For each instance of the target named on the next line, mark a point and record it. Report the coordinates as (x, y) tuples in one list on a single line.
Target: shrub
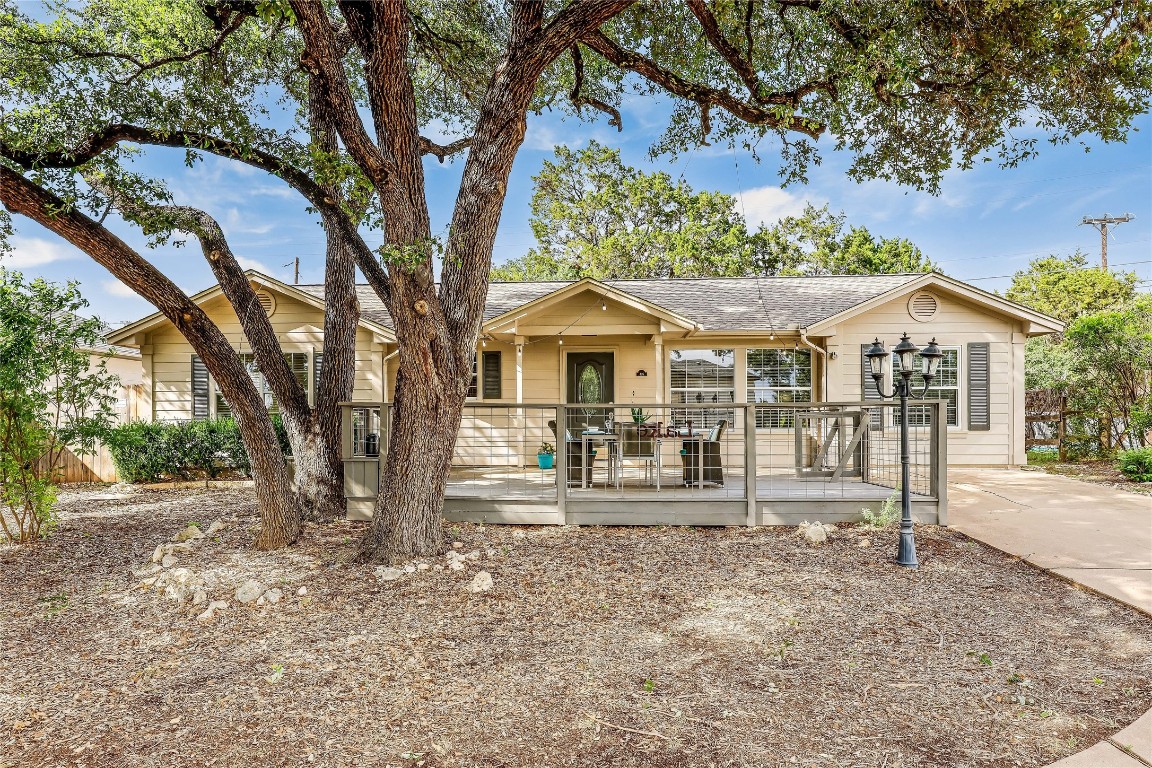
[(146, 452), (888, 515), (1137, 464)]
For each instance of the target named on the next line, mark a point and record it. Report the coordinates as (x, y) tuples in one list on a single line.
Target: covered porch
[(660, 464)]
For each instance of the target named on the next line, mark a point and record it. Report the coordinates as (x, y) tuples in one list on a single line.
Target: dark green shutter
[(979, 384), (868, 388), (199, 388), (492, 380)]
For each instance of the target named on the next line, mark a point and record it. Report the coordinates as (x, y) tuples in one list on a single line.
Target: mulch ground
[(1099, 472), (595, 647)]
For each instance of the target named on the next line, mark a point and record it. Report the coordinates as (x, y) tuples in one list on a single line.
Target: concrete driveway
[(1098, 536)]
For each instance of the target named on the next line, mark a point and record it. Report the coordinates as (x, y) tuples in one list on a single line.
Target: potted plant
[(638, 415), (546, 455)]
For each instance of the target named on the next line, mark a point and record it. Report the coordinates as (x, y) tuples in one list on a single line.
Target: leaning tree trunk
[(278, 503)]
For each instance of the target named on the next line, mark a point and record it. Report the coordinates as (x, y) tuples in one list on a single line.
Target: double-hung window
[(778, 376), (297, 361), (945, 386), (702, 383)]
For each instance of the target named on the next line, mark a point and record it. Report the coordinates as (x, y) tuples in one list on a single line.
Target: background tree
[(815, 243), (1101, 365), (1070, 288), (51, 398), (907, 88), (594, 216)]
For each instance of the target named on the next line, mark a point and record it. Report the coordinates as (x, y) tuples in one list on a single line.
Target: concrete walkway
[(1096, 536)]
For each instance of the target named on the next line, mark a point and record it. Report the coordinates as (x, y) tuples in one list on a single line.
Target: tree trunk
[(422, 436), (278, 503)]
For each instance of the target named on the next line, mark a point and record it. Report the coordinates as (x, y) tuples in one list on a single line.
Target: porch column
[(658, 343), (519, 369), (526, 452)]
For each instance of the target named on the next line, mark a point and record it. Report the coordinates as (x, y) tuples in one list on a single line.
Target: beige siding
[(955, 324), (168, 355)]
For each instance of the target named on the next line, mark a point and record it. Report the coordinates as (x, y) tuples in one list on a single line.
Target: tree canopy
[(595, 216), (338, 98), (1070, 288)]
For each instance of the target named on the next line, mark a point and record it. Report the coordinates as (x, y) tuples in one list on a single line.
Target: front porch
[(660, 464)]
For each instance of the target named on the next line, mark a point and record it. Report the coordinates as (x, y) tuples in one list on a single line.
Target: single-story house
[(704, 349)]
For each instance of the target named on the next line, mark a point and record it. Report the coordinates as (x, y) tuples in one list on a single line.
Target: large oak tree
[(909, 88)]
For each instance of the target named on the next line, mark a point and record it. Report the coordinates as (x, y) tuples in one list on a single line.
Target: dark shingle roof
[(716, 303)]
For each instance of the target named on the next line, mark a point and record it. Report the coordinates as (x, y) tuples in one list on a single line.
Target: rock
[(168, 561), (519, 535), (179, 583), (189, 533), (302, 591), (215, 528), (481, 582), (151, 569), (456, 565), (149, 582), (250, 591), (864, 543), (209, 579), (409, 568), (272, 596), (473, 555), (457, 545), (199, 596), (490, 552), (422, 566), (815, 533), (210, 612), (158, 555), (388, 574)]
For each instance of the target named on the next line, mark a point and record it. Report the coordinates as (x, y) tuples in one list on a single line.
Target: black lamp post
[(906, 352)]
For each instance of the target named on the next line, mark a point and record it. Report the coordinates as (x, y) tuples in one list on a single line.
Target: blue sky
[(985, 224)]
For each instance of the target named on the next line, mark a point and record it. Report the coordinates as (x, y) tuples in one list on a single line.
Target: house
[(688, 350)]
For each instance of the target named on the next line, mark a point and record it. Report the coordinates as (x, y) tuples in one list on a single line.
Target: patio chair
[(635, 446), (572, 455), (712, 461)]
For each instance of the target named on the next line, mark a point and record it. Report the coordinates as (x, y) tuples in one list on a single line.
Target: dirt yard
[(594, 647), (1100, 472)]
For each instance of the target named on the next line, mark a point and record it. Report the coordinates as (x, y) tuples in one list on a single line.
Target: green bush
[(148, 452), (1136, 465)]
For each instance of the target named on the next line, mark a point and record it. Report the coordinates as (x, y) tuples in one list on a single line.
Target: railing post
[(562, 465), (750, 462), (940, 461)]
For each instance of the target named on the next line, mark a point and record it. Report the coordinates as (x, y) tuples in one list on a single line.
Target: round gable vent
[(922, 307), (267, 302)]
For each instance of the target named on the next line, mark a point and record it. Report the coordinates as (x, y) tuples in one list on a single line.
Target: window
[(945, 386), (473, 389), (492, 375), (297, 361), (706, 379), (778, 376)]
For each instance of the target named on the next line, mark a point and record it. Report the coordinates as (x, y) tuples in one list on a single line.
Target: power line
[(1122, 264)]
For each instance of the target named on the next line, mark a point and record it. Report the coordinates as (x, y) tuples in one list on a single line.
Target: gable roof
[(123, 333), (707, 304)]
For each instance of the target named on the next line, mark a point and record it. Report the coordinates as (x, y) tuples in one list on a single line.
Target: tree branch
[(578, 100), (701, 94), (441, 151), (111, 135), (322, 60)]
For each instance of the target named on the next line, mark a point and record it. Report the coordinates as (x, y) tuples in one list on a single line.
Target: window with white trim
[(945, 386), (473, 386), (778, 376), (297, 361), (705, 378)]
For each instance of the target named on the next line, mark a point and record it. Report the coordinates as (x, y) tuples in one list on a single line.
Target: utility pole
[(1101, 223), (296, 261)]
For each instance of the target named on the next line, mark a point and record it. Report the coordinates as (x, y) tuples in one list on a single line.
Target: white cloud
[(117, 288), (35, 252), (767, 205), (247, 263)]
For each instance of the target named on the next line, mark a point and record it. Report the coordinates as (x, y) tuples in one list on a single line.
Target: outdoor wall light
[(641, 372), (905, 352)]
